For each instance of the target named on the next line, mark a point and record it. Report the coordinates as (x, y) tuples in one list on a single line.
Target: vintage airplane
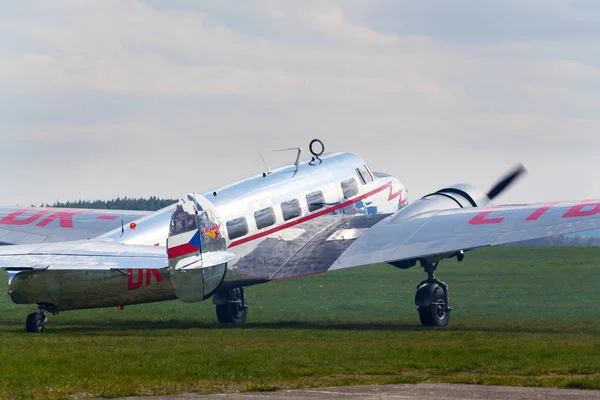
[(326, 214)]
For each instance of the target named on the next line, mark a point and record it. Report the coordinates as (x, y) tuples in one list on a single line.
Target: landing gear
[(432, 298), (232, 308), (36, 320)]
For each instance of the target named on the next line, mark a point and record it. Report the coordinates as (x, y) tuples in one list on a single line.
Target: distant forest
[(152, 203), (562, 241)]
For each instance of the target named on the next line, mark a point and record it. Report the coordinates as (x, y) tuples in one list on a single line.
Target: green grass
[(523, 316)]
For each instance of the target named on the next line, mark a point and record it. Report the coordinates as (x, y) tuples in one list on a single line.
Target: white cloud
[(333, 22), (429, 109)]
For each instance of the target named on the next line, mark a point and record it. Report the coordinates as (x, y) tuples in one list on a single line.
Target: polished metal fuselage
[(67, 290)]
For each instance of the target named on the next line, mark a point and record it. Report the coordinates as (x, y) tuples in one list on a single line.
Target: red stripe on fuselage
[(318, 214)]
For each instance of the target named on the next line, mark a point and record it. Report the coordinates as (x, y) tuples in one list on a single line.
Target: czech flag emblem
[(184, 244)]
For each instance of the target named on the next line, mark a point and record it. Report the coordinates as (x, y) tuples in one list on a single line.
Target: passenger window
[(315, 201), (364, 175), (350, 188), (264, 218), (237, 228), (290, 209)]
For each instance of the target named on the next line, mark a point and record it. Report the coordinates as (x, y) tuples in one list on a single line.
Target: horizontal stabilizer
[(81, 255), (205, 261)]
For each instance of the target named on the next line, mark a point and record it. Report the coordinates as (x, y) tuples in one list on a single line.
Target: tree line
[(563, 241), (151, 203)]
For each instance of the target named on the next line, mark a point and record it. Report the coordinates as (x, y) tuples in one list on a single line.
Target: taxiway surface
[(400, 392)]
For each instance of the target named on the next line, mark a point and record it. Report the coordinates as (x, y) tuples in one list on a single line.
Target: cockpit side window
[(237, 228), (364, 175), (370, 172)]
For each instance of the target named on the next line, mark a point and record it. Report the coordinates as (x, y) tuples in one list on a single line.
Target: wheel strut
[(231, 306), (432, 300), (430, 268), (36, 321)]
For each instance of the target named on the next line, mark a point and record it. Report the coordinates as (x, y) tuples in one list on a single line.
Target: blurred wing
[(46, 225)]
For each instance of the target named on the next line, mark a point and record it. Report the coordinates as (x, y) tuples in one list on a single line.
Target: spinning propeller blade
[(506, 181)]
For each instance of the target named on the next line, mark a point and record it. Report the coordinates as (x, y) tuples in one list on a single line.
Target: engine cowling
[(453, 197), (464, 195), (457, 196)]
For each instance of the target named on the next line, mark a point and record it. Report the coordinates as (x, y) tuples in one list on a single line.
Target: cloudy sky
[(119, 97)]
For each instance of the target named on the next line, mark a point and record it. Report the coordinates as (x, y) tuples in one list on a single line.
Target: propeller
[(506, 181)]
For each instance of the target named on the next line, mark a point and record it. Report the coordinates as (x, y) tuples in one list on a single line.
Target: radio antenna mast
[(269, 172), (299, 150)]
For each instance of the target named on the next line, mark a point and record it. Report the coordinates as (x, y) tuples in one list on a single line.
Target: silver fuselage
[(310, 191)]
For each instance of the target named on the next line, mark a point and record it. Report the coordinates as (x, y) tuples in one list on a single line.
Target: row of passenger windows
[(291, 209)]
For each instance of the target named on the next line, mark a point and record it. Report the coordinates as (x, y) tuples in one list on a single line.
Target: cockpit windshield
[(182, 221), (190, 216)]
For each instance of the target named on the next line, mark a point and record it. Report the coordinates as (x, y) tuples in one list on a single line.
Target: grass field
[(523, 316)]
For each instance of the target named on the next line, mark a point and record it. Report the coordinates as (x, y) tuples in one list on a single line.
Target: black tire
[(35, 322), (435, 314), (230, 314), (235, 311)]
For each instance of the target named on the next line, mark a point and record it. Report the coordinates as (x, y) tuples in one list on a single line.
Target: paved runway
[(401, 392)]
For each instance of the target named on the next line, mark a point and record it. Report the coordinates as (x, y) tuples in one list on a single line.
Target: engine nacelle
[(457, 196), (464, 195)]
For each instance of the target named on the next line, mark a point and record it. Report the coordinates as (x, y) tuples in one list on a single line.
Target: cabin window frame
[(268, 211), (310, 203), (284, 209), (232, 233)]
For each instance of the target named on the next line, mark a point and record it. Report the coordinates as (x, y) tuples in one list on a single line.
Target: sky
[(100, 99)]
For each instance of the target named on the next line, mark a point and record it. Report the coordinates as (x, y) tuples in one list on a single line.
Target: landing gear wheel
[(233, 312), (436, 313), (432, 299), (35, 322)]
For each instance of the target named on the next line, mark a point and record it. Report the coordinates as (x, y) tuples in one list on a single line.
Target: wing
[(45, 225), (97, 255), (333, 242), (80, 255), (400, 237)]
